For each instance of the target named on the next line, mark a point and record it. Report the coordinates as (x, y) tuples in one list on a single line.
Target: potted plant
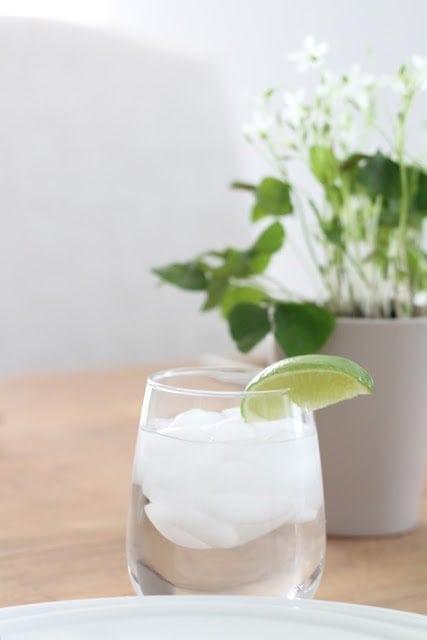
[(360, 199)]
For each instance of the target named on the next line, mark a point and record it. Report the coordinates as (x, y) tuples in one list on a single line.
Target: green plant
[(361, 206)]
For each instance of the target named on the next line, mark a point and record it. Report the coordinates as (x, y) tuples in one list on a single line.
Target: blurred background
[(120, 133)]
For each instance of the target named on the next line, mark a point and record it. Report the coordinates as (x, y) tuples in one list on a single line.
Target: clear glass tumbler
[(219, 505)]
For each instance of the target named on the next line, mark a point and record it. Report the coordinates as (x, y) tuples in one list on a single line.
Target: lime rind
[(310, 381)]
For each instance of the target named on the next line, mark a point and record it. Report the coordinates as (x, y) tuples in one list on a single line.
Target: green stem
[(313, 273), (307, 239), (402, 265)]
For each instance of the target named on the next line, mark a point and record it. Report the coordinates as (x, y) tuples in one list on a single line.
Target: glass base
[(149, 583)]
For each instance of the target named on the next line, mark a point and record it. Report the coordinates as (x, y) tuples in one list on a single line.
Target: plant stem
[(307, 238), (402, 259)]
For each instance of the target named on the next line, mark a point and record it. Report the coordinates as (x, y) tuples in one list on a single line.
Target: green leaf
[(302, 328), (237, 263), (379, 176), (352, 162), (216, 288), (270, 240), (186, 275), (418, 180), (236, 295), (258, 212), (334, 196), (323, 164), (273, 196), (390, 213), (248, 324), (260, 262), (332, 230)]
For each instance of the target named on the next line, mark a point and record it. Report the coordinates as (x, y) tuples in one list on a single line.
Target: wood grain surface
[(66, 452)]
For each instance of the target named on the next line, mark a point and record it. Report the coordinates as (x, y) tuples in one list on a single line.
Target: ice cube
[(187, 526), (229, 491), (232, 413), (193, 424), (164, 522)]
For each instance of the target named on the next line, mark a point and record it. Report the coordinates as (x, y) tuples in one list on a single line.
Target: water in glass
[(222, 506)]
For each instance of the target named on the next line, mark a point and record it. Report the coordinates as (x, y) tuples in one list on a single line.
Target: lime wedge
[(311, 381)]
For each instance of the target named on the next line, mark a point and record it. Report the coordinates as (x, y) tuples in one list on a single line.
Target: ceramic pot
[(373, 447)]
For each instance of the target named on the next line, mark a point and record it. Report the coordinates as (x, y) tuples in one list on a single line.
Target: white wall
[(96, 12), (252, 37), (250, 40), (115, 158)]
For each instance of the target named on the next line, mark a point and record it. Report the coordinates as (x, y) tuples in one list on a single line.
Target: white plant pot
[(373, 447)]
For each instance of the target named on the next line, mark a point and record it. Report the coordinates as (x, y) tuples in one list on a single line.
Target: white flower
[(419, 65), (311, 56), (396, 83), (260, 126), (357, 87), (327, 85), (410, 78), (294, 109)]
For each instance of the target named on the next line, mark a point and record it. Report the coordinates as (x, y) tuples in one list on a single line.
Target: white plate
[(207, 618)]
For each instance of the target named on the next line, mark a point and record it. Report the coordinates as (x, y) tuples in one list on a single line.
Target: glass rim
[(154, 382)]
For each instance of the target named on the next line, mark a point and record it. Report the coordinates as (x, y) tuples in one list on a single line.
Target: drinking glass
[(219, 505)]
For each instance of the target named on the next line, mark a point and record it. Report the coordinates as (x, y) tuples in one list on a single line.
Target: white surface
[(193, 618), (115, 157)]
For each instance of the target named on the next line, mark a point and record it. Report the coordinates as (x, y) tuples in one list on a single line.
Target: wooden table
[(66, 449)]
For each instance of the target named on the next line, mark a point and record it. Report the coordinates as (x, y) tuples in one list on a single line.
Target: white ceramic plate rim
[(337, 614)]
